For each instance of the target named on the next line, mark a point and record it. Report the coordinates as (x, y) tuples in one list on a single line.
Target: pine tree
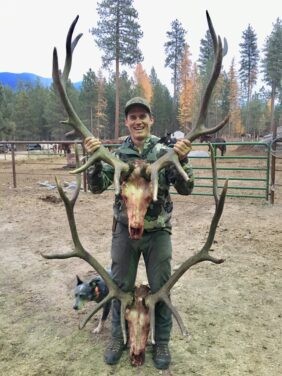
[(272, 66), (126, 90), (174, 49), (88, 98), (206, 56), (162, 106), (117, 34), (259, 113), (235, 125), (54, 111), (26, 129), (38, 96), (7, 126), (248, 71)]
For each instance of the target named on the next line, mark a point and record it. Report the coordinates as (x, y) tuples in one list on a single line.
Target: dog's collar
[(97, 291)]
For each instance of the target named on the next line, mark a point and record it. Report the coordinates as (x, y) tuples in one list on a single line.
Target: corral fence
[(246, 165), (247, 168)]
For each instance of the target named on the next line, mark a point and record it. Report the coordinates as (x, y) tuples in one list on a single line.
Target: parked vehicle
[(30, 147)]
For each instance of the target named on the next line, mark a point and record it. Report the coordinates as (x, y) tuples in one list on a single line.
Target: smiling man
[(153, 240)]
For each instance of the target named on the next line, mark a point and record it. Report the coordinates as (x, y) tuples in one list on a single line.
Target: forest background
[(33, 112)]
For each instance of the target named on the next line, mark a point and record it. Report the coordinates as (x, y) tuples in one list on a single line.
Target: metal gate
[(247, 170)]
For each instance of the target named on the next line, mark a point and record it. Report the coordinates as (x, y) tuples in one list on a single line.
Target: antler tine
[(60, 83), (212, 31), (80, 252), (167, 159), (125, 300), (70, 46), (103, 154)]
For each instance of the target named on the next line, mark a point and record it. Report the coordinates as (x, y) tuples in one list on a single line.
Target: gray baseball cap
[(137, 101)]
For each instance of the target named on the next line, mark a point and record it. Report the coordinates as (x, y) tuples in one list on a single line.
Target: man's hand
[(182, 148), (91, 144)]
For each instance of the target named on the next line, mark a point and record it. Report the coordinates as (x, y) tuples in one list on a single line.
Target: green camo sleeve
[(183, 187), (100, 177)]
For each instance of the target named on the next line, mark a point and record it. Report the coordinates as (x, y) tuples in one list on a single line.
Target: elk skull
[(137, 193), (138, 319)]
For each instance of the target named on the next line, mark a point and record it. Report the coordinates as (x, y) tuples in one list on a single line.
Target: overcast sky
[(29, 29)]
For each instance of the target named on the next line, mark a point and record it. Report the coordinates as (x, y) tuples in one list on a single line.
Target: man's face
[(139, 122)]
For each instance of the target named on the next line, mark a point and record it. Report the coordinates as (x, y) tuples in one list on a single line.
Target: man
[(155, 244)]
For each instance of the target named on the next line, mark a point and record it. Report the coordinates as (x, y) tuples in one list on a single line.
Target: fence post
[(13, 166)]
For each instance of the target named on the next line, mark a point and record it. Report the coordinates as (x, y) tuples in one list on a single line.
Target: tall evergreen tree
[(259, 113), (26, 128), (54, 112), (235, 125), (162, 106), (7, 126), (249, 52), (117, 34), (127, 90), (38, 98), (88, 98), (272, 65), (248, 71), (174, 49), (272, 68), (206, 56)]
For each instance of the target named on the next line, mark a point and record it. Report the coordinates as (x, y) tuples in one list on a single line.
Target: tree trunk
[(273, 158), (117, 100)]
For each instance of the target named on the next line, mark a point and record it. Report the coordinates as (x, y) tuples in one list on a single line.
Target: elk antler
[(79, 251), (60, 82), (202, 255), (199, 127)]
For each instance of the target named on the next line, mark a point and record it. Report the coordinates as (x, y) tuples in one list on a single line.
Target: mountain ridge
[(14, 80)]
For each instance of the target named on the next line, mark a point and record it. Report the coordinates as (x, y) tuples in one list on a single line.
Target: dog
[(94, 290)]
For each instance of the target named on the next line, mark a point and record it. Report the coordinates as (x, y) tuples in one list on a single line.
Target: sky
[(30, 29)]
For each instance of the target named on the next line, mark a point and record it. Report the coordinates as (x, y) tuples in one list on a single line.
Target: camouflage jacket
[(100, 177)]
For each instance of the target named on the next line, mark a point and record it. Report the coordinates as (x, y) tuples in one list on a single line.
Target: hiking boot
[(161, 356), (114, 351)]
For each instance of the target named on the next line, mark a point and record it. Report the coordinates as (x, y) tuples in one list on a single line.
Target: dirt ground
[(233, 311)]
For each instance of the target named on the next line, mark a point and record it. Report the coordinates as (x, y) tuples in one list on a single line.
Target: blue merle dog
[(94, 290)]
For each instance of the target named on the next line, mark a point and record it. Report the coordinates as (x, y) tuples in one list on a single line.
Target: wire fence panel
[(245, 164)]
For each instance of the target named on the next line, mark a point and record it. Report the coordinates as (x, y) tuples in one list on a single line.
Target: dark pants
[(156, 249)]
